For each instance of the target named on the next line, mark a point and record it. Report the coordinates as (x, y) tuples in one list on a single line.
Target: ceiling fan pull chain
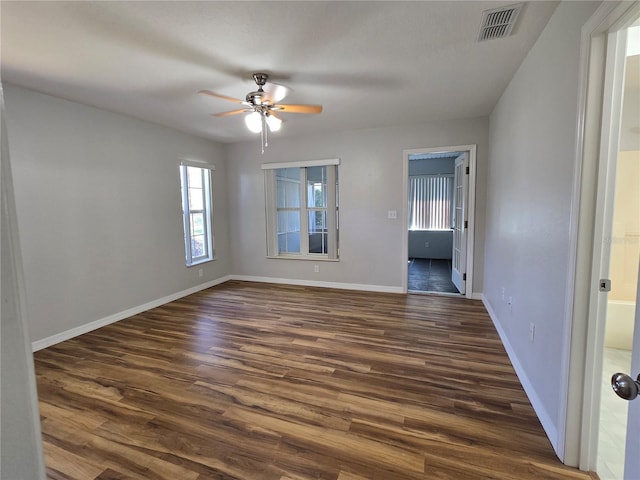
[(265, 130), (262, 134)]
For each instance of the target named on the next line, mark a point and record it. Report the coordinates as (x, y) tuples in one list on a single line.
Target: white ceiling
[(370, 64)]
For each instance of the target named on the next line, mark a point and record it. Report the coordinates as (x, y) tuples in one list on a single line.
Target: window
[(302, 209), (195, 184), (430, 202)]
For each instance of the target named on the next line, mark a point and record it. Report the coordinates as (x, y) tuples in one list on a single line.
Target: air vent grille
[(499, 22)]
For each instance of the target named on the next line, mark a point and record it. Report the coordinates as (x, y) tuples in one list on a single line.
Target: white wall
[(530, 177), (98, 203), (370, 185)]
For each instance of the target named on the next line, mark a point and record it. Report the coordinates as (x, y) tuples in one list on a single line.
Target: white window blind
[(430, 202)]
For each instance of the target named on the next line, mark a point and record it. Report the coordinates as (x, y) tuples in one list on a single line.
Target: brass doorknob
[(625, 386)]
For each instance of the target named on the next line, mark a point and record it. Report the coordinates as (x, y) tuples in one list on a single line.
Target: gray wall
[(431, 244), (371, 179), (99, 210), (529, 190)]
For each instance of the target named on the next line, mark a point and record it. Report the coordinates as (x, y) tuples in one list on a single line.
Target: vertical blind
[(430, 202)]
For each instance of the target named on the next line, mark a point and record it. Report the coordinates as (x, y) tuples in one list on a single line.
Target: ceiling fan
[(262, 107)]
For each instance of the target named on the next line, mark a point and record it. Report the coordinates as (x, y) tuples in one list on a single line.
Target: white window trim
[(271, 209), (302, 163), (208, 212), (197, 163)]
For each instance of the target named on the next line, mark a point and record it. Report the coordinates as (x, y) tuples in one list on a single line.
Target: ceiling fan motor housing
[(255, 98), (260, 79)]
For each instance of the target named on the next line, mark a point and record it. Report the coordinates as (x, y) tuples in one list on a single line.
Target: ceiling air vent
[(499, 22)]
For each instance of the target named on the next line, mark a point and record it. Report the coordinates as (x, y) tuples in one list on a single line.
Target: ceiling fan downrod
[(255, 98)]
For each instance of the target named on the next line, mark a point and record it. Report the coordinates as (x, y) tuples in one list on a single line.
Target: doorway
[(438, 229), (621, 258), (611, 236)]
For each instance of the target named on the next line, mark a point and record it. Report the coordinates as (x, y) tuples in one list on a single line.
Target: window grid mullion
[(304, 214)]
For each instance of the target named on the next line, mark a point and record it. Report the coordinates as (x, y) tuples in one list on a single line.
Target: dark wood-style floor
[(263, 382)]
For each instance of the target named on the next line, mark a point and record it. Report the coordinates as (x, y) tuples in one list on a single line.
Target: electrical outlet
[(426, 244), (392, 214), (504, 298), (532, 331), (199, 272), (316, 268)]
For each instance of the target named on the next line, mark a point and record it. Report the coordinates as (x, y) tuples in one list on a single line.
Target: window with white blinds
[(430, 202)]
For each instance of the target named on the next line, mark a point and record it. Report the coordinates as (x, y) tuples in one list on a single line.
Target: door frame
[(460, 180), (471, 209), (584, 340)]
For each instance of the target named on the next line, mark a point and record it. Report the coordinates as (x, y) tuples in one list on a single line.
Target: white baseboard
[(547, 423), (74, 332), (311, 283), (116, 317), (477, 296)]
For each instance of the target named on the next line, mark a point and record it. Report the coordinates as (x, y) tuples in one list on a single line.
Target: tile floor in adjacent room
[(613, 417), (430, 275)]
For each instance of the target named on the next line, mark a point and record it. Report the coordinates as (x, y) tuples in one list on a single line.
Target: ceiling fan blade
[(275, 92), (224, 97), (232, 112), (299, 108), (273, 114)]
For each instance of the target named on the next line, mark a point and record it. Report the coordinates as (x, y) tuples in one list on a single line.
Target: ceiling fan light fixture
[(261, 107), (254, 122), (274, 123)]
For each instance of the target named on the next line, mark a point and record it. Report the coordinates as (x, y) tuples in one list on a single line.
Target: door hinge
[(466, 224), (605, 285), (464, 277), (467, 171)]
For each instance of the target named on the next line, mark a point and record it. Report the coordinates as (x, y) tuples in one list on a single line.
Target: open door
[(626, 240), (613, 318), (21, 454), (459, 254), (627, 387), (632, 459)]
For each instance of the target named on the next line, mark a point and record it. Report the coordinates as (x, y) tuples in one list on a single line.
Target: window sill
[(304, 257), (200, 262)]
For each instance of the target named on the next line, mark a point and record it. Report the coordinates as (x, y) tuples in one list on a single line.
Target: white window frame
[(207, 211), (331, 209)]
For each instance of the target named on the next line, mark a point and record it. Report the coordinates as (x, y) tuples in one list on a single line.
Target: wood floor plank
[(249, 381)]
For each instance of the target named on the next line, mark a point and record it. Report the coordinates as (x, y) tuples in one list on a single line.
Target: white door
[(628, 388), (459, 253), (21, 453), (632, 451)]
